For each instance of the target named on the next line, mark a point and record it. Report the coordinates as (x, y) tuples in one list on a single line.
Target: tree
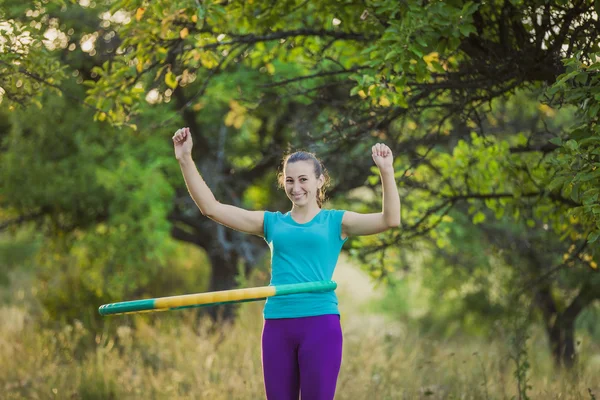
[(430, 78)]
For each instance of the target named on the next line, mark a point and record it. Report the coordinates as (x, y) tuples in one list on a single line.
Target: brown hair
[(318, 168)]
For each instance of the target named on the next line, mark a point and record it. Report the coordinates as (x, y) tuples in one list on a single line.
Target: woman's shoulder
[(274, 214), (332, 212)]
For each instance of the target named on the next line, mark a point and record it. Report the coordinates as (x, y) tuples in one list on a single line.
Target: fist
[(182, 142), (382, 156)]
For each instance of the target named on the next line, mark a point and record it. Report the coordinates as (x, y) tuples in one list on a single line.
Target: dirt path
[(356, 291)]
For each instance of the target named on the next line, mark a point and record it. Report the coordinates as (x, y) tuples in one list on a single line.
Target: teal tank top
[(303, 253)]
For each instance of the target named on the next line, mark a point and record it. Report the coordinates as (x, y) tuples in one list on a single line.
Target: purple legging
[(302, 355)]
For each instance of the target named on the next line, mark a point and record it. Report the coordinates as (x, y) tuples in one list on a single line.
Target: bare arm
[(355, 224), (230, 216)]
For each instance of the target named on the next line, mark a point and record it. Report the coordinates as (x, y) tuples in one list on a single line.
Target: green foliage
[(18, 249), (410, 45), (462, 288), (26, 63), (578, 160), (101, 200), (588, 321)]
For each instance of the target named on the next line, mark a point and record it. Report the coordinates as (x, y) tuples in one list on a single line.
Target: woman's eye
[(303, 179)]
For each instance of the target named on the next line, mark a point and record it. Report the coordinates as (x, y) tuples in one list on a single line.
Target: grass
[(160, 357), (174, 356)]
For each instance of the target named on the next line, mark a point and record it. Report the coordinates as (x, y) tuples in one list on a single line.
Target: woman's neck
[(305, 213)]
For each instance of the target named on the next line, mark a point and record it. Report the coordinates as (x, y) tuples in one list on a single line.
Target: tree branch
[(587, 294), (185, 236), (21, 219), (251, 38), (43, 81), (483, 196), (544, 148), (316, 75)]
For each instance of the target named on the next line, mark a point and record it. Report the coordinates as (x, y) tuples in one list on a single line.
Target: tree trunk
[(562, 342), (222, 277), (560, 326)]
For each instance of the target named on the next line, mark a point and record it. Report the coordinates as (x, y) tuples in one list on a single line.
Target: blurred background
[(488, 290)]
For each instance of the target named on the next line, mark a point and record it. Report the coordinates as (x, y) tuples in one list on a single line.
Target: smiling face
[(301, 182)]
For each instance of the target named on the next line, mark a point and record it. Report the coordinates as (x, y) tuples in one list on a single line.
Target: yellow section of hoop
[(214, 297)]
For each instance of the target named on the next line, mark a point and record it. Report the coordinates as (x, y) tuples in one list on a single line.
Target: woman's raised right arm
[(230, 216)]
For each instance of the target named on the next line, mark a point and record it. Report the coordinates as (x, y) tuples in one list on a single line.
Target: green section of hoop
[(294, 288), (127, 306), (149, 304)]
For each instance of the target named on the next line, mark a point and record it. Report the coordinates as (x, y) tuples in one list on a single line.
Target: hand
[(182, 141), (382, 156)]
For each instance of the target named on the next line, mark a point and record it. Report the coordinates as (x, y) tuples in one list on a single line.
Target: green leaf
[(589, 176), (565, 77), (582, 78), (469, 8), (575, 192), (557, 182), (438, 67), (499, 213), (593, 236), (590, 197), (416, 50), (557, 141), (466, 29), (593, 110), (571, 145), (393, 53), (421, 41), (478, 218), (590, 140)]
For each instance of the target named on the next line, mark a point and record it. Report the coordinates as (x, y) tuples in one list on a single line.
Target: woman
[(302, 336)]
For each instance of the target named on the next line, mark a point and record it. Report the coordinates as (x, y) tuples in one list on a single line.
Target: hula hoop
[(214, 298)]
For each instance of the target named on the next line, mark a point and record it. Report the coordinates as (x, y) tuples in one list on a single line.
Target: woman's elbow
[(393, 223), (208, 210)]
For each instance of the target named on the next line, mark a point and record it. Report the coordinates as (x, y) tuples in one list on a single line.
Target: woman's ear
[(321, 181)]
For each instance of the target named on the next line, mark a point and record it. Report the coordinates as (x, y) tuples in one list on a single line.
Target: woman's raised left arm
[(356, 224)]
